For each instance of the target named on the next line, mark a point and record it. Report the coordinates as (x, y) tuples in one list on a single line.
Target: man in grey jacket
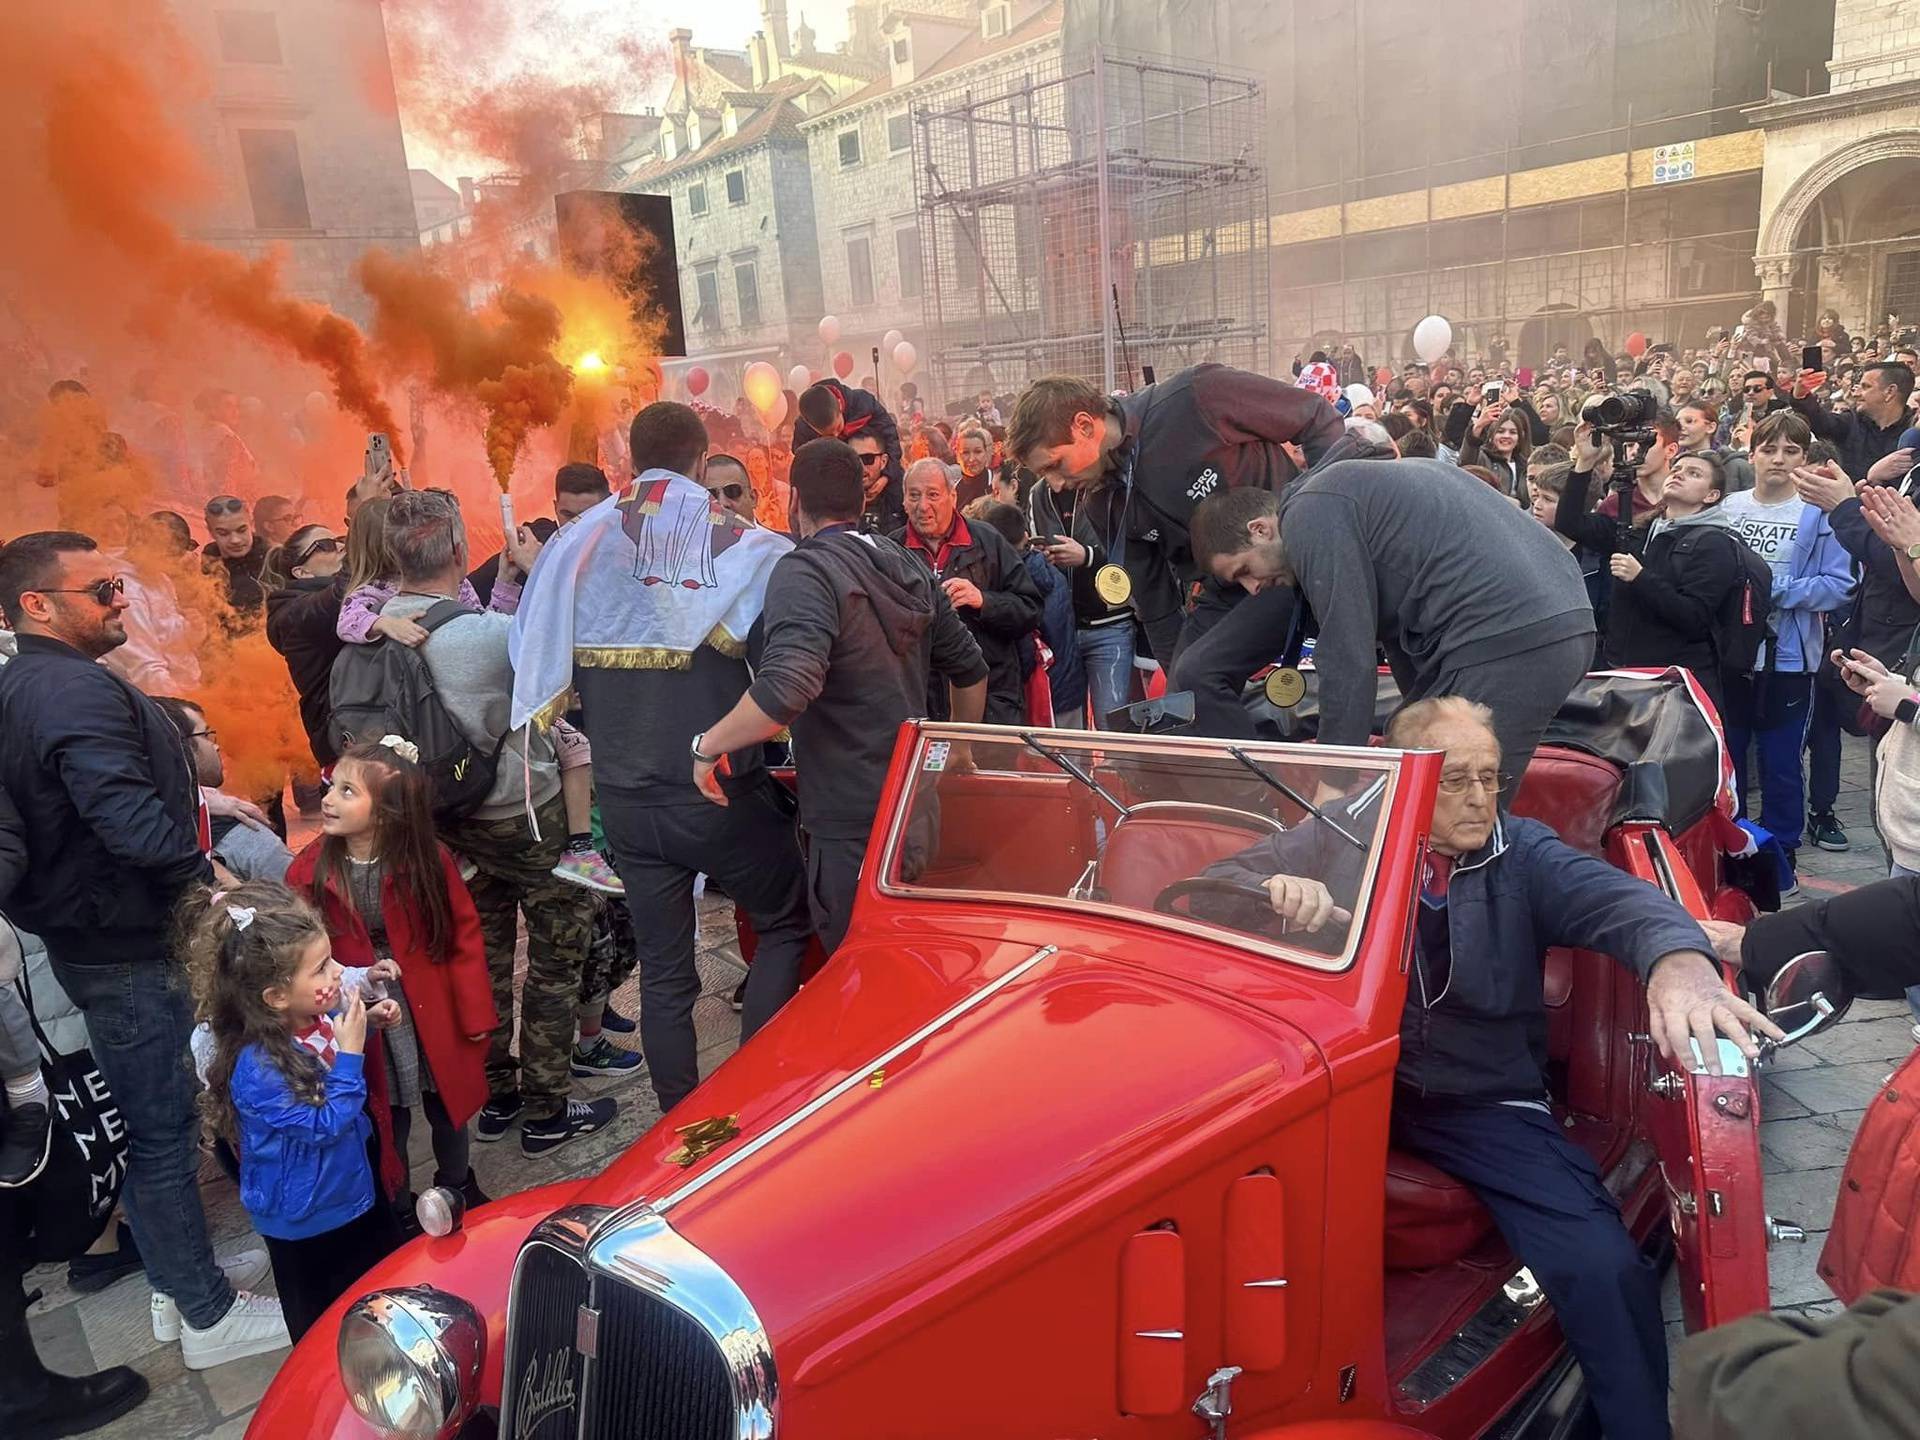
[(853, 628), (467, 657), (1467, 594)]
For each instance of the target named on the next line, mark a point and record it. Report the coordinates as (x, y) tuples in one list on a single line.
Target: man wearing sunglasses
[(111, 807), (883, 513), (1757, 398), (727, 480)]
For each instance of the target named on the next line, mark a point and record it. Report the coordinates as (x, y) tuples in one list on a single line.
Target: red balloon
[(698, 380), (1636, 344), (842, 364)]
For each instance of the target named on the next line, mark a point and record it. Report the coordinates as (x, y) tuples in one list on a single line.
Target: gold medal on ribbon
[(1113, 585), (1285, 686)]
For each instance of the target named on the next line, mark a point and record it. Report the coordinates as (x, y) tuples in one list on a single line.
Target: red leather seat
[(1432, 1219), (1162, 841), (1573, 792)]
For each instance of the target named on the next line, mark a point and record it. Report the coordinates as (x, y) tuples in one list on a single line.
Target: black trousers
[(752, 849), (311, 1274), (833, 878), (1227, 636), (1556, 1215)]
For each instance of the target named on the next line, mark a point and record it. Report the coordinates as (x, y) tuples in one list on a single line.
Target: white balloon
[(889, 340), (798, 378), (1432, 337), (905, 357), (829, 329)]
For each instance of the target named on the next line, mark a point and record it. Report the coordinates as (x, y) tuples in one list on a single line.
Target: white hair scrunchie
[(402, 747), (241, 915)]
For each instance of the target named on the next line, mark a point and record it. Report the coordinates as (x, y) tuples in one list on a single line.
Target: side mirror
[(1806, 995)]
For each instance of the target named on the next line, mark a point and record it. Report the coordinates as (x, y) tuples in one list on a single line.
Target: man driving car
[(1470, 1091)]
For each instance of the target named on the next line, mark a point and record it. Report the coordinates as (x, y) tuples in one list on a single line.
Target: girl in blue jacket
[(286, 1085)]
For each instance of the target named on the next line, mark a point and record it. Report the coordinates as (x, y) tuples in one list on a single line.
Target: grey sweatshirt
[(1426, 560), (467, 658), (852, 628)]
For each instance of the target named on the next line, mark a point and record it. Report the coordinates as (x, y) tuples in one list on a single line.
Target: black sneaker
[(89, 1274), (1823, 830), (612, 1019), (24, 1143), (496, 1118), (581, 1117), (737, 1001)]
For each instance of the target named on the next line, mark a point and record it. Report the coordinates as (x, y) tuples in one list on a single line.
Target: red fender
[(1338, 1430)]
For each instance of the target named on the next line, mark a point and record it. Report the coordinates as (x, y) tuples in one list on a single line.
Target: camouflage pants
[(515, 878)]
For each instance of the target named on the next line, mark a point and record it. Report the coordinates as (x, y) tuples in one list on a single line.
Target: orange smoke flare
[(112, 156)]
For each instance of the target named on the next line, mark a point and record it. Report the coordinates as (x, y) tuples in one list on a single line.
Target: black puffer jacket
[(1689, 569), (301, 621), (1009, 610), (107, 794)]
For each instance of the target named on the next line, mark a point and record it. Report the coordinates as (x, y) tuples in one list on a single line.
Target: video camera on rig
[(1620, 410), (1626, 418)]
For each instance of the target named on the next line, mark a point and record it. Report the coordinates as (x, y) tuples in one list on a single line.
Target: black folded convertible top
[(1622, 719)]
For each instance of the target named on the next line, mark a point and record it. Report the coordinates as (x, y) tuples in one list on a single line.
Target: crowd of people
[(528, 753)]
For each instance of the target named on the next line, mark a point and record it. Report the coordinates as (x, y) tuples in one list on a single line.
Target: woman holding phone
[(1894, 695)]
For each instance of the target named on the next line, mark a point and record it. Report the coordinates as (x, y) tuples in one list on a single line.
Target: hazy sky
[(560, 40)]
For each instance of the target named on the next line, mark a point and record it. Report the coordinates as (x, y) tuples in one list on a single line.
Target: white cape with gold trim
[(649, 575)]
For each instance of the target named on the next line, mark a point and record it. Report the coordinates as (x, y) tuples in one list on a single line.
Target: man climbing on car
[(1142, 463), (1470, 1092)]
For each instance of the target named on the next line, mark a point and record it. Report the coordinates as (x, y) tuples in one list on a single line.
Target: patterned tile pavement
[(1811, 1103)]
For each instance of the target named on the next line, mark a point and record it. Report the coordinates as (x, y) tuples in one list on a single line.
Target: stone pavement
[(1811, 1102)]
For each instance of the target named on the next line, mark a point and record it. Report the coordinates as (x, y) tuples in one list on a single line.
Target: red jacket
[(451, 1000), (1875, 1240)]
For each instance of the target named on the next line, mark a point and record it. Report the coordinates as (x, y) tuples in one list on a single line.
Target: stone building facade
[(1840, 184), (863, 161), (306, 159)]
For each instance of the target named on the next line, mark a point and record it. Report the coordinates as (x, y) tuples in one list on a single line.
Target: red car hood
[(938, 1098)]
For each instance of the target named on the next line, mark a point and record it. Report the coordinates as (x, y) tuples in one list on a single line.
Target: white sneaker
[(244, 1269), (252, 1326)]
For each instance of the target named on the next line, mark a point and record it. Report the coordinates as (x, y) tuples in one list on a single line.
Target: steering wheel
[(1164, 903)]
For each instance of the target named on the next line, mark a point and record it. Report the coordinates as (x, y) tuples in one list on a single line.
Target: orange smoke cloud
[(115, 160), (461, 97)]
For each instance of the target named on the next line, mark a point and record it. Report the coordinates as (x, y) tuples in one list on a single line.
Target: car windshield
[(1185, 834)]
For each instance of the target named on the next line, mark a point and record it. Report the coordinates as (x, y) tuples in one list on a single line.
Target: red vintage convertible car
[(1042, 1153)]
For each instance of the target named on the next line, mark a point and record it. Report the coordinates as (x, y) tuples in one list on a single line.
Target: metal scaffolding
[(1094, 214)]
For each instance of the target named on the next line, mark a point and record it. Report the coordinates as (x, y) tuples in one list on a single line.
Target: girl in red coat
[(387, 889)]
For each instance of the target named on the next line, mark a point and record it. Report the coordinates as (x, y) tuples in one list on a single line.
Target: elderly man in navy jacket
[(112, 818), (1470, 1092)]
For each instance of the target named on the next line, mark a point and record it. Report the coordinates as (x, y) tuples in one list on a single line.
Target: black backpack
[(386, 689), (1745, 621)]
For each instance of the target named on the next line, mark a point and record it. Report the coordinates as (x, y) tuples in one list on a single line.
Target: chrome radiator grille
[(659, 1375), (617, 1329), (545, 1372)]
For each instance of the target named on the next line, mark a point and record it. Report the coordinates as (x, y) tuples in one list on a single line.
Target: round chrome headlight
[(410, 1359)]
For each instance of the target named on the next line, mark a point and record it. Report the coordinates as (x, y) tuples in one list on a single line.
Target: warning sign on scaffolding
[(1673, 162)]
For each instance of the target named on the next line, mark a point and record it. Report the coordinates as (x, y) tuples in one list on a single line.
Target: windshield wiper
[(1275, 782), (1074, 769)]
